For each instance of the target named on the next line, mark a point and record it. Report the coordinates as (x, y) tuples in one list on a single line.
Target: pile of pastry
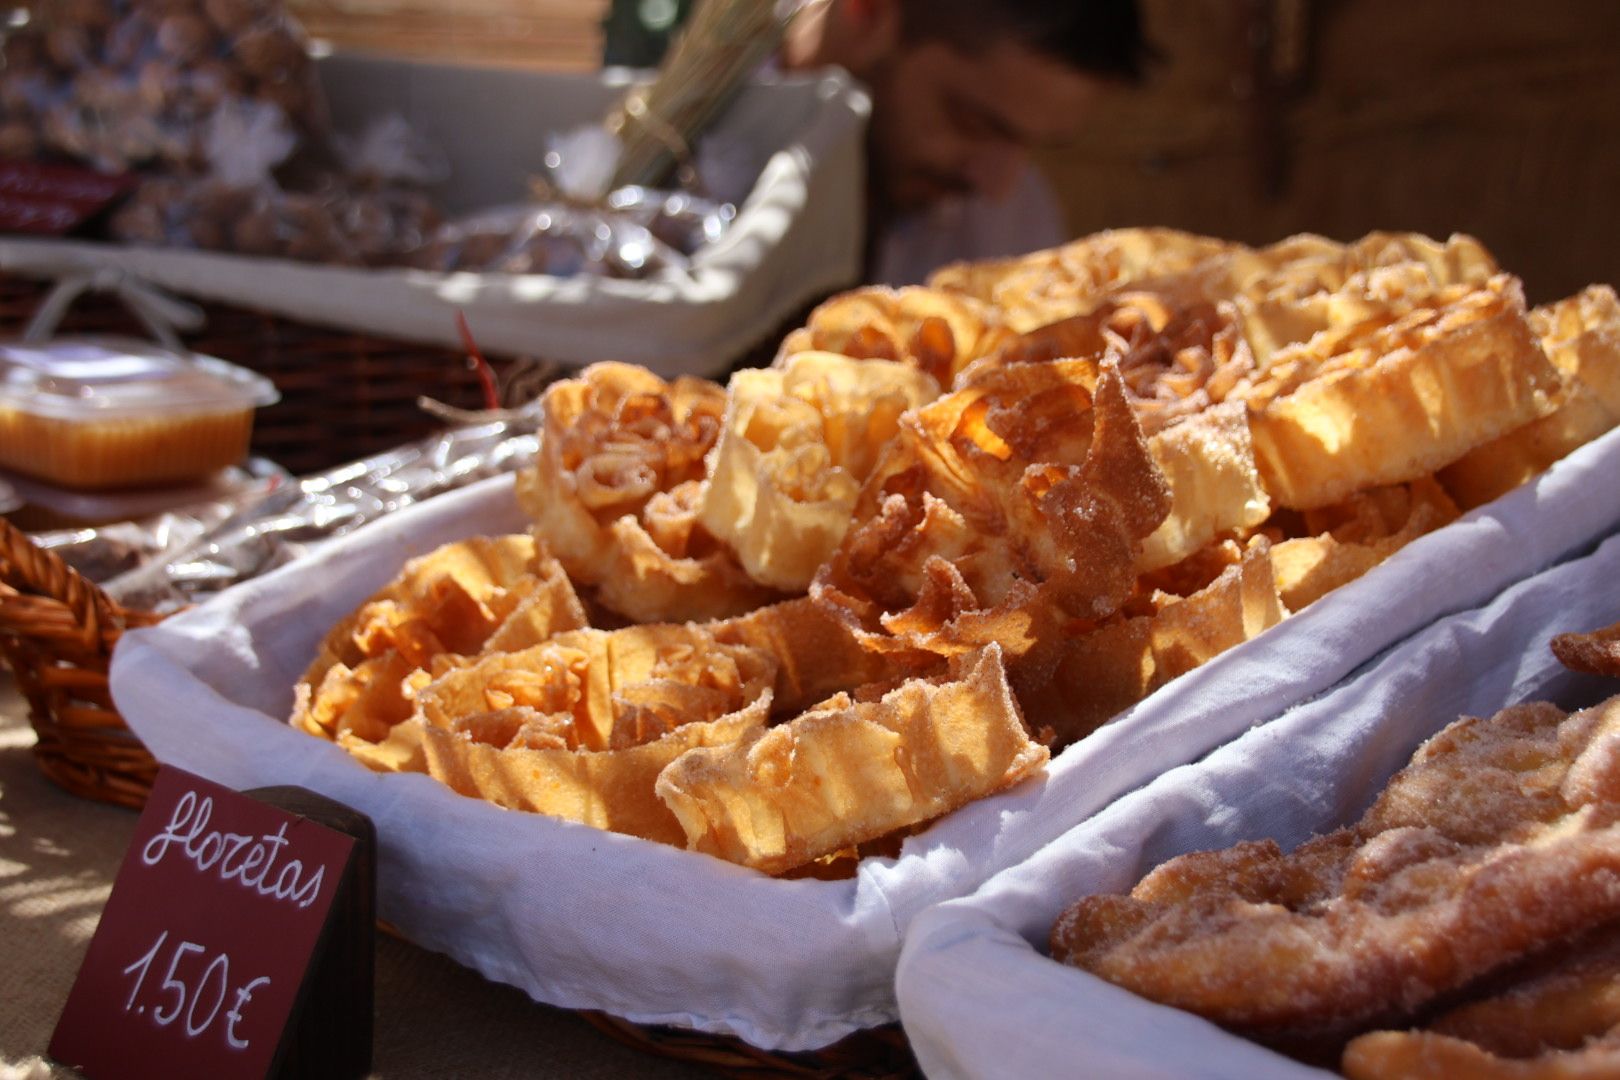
[(951, 530), (1465, 926)]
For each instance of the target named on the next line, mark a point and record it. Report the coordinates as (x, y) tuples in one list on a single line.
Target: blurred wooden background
[(1495, 117), (559, 34), (1265, 117)]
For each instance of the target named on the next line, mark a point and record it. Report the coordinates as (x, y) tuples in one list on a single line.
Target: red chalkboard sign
[(53, 200), (237, 924)]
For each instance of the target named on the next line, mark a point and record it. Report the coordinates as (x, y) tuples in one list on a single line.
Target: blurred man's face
[(946, 121)]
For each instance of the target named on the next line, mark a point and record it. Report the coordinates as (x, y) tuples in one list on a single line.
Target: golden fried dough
[(1556, 1019), (1043, 287), (1291, 291), (816, 654), (1385, 402), (850, 771), (797, 443), (442, 608), (938, 333), (1344, 541), (580, 726), (1107, 670), (1501, 838), (1207, 460), (999, 512), (616, 489), (1400, 1055), (1177, 358), (1596, 653), (1581, 336), (1051, 483), (1178, 364)]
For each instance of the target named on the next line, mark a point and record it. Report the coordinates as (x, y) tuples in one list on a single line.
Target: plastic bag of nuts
[(120, 84), (339, 222)]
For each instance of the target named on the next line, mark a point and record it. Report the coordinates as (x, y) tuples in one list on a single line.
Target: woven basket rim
[(881, 1053), (57, 633)]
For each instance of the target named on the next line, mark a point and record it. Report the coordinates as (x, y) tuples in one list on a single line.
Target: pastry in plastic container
[(103, 412)]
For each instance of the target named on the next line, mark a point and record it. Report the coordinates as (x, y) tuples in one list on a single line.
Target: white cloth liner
[(585, 919), (797, 237), (1313, 769)]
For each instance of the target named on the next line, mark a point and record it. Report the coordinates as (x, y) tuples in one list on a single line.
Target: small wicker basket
[(57, 632)]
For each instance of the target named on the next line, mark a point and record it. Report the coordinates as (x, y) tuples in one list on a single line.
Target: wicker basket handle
[(30, 570)]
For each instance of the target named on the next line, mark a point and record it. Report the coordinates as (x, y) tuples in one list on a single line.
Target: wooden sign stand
[(239, 941), (330, 1034)]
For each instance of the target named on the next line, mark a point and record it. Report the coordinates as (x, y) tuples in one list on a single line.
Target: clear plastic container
[(104, 412)]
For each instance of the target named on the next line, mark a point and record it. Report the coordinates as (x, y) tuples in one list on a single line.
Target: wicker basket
[(343, 395), (874, 1054), (57, 632)]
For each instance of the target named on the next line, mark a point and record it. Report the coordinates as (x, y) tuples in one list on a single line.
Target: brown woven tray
[(57, 633), (875, 1054)]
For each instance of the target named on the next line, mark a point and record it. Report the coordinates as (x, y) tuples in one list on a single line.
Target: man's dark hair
[(1099, 37)]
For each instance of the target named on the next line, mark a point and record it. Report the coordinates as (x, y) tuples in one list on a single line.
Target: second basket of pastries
[(1413, 875), (734, 681)]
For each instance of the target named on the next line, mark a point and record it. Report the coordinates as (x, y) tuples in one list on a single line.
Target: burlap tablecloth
[(58, 857)]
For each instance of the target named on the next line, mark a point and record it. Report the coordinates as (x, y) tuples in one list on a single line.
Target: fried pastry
[(1557, 1018), (797, 443), (1207, 460), (816, 654), (1044, 287), (1581, 336), (1596, 653), (1402, 1055), (442, 608), (546, 606), (939, 333), (1151, 447), (1344, 541), (1304, 285), (1000, 512), (1499, 840), (1179, 365), (853, 770), (1385, 402), (1105, 671), (1177, 359), (580, 726), (616, 490)]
